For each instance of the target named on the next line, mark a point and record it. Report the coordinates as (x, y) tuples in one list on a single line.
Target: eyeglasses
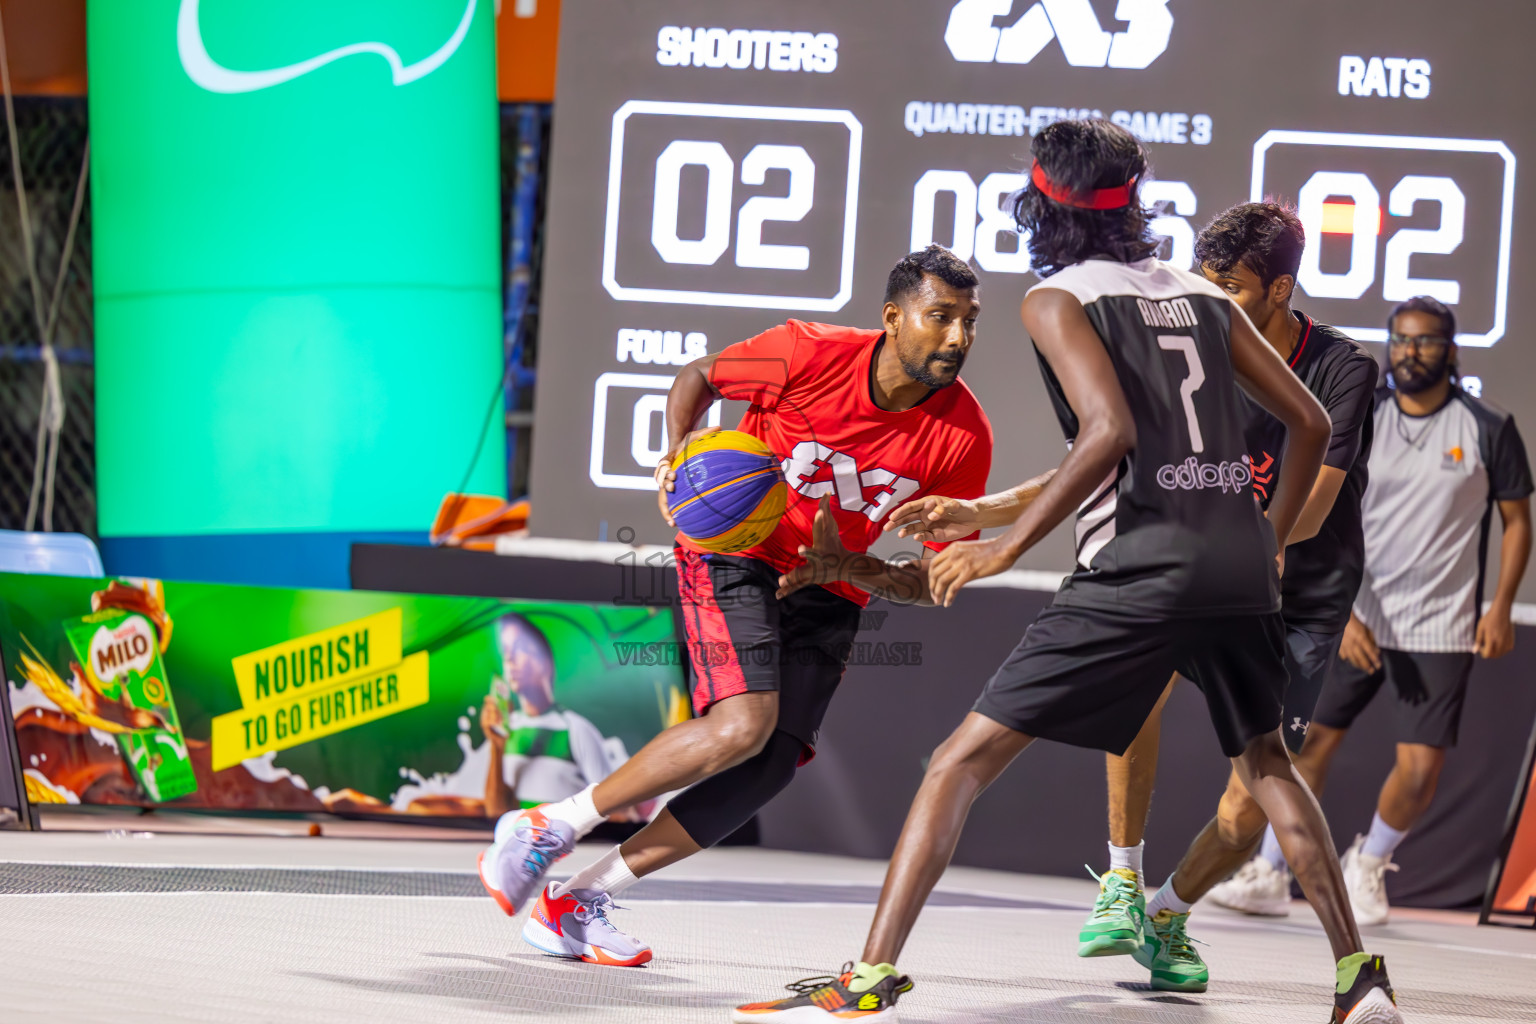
[(1426, 343)]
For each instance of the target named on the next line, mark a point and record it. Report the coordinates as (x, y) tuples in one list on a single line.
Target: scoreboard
[(720, 166)]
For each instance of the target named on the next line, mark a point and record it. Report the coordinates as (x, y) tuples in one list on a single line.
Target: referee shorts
[(1430, 687)]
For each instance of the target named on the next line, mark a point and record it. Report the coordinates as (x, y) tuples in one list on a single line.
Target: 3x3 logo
[(847, 482), (1085, 42)]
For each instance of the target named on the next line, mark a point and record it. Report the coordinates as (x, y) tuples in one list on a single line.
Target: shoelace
[(597, 910), (1376, 880), (542, 848), (1178, 940), (805, 985), (1114, 892)]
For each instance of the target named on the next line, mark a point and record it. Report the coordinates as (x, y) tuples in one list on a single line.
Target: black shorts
[(741, 638), (1090, 678), (1430, 687), (1309, 659)]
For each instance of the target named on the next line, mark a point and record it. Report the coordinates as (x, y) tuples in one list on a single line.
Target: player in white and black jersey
[(1176, 562), (1253, 252)]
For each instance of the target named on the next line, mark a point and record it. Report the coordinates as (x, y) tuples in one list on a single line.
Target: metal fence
[(52, 135), (524, 167)]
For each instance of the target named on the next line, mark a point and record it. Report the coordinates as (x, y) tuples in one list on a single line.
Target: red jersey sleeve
[(758, 370), (968, 479)]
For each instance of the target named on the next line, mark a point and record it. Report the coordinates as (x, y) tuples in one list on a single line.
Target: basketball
[(729, 491)]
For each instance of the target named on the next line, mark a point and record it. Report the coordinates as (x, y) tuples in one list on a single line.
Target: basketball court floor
[(265, 923)]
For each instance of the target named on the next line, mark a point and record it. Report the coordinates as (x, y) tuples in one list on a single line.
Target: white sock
[(1270, 851), (576, 811), (1382, 839), (1167, 899), (608, 873), (1128, 858)]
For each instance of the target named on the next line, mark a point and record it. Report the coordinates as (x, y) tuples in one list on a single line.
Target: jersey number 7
[(1186, 345)]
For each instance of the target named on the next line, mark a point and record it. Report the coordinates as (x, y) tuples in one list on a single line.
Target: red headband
[(1099, 199)]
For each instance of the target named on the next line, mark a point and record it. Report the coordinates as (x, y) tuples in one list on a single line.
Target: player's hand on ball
[(826, 559), (666, 476), (1358, 646), (961, 563), (1495, 634), (935, 518)]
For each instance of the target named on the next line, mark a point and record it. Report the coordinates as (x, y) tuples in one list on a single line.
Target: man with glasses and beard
[(1442, 461)]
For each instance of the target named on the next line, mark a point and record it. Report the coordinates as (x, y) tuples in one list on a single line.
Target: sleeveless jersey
[(1174, 529)]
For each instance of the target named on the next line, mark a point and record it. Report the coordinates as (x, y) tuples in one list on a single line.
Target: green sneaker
[(1115, 926), (1169, 954)]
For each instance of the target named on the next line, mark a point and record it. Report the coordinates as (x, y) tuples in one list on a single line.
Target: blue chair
[(55, 554)]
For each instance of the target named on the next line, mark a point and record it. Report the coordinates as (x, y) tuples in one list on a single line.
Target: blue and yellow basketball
[(729, 492)]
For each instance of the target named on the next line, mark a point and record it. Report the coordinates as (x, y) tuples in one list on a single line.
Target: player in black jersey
[(1176, 562), (1253, 252)]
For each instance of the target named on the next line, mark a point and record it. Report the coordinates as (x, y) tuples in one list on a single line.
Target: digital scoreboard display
[(720, 167)]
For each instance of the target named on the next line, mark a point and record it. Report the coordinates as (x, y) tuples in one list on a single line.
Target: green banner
[(133, 691), (297, 262)]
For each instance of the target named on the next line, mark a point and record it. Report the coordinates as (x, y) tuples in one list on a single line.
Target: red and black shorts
[(741, 638)]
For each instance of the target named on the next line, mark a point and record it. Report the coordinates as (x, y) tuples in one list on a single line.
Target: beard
[(933, 371), (1412, 375)]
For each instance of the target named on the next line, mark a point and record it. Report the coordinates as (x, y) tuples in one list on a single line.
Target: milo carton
[(120, 659)]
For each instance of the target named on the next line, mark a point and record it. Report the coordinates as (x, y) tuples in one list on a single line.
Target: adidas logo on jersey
[(1191, 475), (1167, 313)]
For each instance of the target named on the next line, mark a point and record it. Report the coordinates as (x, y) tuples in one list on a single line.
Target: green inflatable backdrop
[(297, 262)]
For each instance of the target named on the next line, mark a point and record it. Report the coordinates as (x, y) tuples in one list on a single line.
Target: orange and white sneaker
[(527, 844), (576, 925)]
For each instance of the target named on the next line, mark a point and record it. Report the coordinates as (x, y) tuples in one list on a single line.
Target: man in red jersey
[(863, 420)]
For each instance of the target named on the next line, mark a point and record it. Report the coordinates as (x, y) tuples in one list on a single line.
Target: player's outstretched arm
[(827, 560), (1106, 433), (936, 519), (1267, 380), (691, 394)]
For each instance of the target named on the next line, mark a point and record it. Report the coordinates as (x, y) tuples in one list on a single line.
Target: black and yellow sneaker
[(1363, 994), (862, 992)]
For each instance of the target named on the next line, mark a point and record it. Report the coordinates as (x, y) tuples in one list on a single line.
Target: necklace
[(1416, 441)]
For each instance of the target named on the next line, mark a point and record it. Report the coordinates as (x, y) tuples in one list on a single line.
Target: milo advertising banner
[(133, 691)]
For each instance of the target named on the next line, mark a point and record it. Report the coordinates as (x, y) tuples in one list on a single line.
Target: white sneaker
[(1366, 879), (1257, 888)]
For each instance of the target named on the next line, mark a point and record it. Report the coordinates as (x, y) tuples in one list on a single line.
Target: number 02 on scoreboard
[(1389, 217)]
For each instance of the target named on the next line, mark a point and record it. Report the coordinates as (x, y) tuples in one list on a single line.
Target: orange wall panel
[(45, 46), (527, 34)]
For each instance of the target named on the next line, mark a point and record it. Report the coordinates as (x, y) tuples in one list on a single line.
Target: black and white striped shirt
[(1434, 480)]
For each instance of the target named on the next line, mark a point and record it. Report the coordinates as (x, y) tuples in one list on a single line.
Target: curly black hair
[(1266, 237), (908, 272), (1083, 156)]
